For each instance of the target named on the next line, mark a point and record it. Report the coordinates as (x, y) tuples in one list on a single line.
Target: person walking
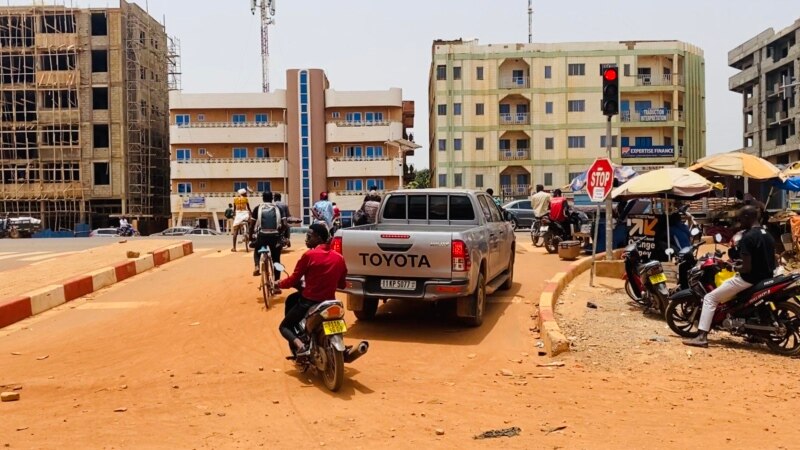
[(229, 218)]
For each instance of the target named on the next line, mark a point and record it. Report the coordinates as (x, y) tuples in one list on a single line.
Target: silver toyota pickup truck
[(429, 244)]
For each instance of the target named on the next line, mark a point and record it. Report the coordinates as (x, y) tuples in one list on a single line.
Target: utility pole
[(267, 8), (530, 21)]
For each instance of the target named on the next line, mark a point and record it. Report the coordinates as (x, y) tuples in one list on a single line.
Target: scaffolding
[(40, 155), (174, 63)]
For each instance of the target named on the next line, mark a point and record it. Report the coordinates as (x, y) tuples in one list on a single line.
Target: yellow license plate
[(658, 278), (334, 327)]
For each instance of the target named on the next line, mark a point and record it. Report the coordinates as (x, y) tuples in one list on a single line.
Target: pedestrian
[(229, 218), (490, 191), (540, 202)]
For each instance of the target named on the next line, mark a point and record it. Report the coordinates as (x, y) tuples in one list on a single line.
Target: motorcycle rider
[(264, 236), (757, 250), (125, 228), (560, 210), (540, 202), (324, 271)]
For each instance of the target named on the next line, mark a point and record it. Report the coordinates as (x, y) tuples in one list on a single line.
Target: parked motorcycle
[(557, 232), (645, 283), (324, 328)]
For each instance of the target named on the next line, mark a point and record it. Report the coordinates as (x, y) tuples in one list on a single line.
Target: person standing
[(323, 210), (490, 191), (540, 202), (229, 218)]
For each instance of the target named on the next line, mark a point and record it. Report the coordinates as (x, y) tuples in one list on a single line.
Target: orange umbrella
[(738, 164)]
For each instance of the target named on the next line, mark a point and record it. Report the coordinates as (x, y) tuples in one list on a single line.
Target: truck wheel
[(14, 234), (368, 309), (510, 280), (475, 302)]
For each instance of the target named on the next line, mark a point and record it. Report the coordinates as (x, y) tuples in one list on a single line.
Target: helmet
[(242, 191)]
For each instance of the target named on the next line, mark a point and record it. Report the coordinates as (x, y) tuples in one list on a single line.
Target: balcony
[(515, 119), (514, 190), (511, 82), (228, 168), (40, 191), (651, 115), (227, 133), (202, 202), (365, 167), (519, 154), (659, 80), (361, 132), (742, 78)]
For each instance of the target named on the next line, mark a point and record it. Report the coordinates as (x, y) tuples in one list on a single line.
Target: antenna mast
[(267, 8), (530, 21)]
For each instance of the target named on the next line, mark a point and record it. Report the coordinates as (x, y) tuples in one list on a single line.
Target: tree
[(422, 179)]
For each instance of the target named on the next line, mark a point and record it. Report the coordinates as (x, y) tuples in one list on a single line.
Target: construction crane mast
[(267, 8)]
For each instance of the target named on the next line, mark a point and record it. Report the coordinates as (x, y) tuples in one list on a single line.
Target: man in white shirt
[(540, 202)]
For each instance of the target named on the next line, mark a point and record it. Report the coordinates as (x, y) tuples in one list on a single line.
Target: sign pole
[(609, 218), (594, 243)]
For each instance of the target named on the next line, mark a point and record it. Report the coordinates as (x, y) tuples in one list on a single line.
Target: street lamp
[(404, 146)]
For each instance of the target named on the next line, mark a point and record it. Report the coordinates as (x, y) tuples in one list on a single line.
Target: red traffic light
[(610, 74)]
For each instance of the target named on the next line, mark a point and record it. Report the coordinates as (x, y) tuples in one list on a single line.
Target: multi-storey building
[(299, 142), (83, 123), (769, 64), (516, 115)]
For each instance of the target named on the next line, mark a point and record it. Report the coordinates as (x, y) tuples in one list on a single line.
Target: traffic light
[(611, 91)]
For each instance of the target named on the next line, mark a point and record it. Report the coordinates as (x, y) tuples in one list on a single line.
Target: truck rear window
[(429, 207), (461, 208), (395, 207)]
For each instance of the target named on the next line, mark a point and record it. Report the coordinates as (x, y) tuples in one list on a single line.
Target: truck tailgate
[(398, 254)]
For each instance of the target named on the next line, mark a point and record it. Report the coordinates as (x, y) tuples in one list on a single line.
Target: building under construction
[(83, 125)]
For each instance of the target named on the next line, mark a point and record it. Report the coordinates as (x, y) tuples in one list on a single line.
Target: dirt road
[(188, 358)]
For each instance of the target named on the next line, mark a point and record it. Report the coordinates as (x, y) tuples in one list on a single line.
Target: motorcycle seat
[(769, 282), (324, 304), (649, 265)]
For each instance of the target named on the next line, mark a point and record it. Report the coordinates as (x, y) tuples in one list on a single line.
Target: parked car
[(431, 245), (104, 232), (176, 231), (203, 232), (520, 213)]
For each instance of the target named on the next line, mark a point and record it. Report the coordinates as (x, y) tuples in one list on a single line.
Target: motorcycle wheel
[(629, 290), (551, 242), (788, 317), (682, 316), (660, 303), (333, 375)]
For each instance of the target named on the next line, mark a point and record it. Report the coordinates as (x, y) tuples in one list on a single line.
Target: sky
[(377, 44)]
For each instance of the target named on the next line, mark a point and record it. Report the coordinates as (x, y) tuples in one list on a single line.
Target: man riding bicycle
[(242, 214), (267, 231)]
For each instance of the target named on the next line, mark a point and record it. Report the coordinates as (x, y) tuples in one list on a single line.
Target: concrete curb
[(15, 309), (554, 340)]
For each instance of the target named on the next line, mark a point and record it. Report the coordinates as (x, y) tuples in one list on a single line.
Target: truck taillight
[(460, 256), (336, 244)]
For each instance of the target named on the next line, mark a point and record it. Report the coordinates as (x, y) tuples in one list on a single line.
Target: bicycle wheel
[(265, 281)]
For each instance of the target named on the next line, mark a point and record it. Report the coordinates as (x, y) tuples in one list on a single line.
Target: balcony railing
[(362, 158), (651, 115), (515, 154), (514, 119), (514, 82), (226, 124), (360, 193), (226, 160), (515, 189), (659, 80), (361, 123)]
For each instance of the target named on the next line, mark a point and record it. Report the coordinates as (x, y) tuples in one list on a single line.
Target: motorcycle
[(645, 283), (323, 327), (557, 232), (128, 231)]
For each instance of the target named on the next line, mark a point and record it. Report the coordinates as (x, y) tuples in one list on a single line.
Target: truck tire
[(510, 280), (475, 302), (368, 309), (14, 233)]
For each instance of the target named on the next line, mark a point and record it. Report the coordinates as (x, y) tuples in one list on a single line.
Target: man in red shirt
[(324, 271)]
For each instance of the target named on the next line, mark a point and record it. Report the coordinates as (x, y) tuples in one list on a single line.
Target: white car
[(203, 232), (104, 232)]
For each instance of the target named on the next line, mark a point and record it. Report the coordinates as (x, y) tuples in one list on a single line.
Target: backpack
[(558, 209), (269, 219), (360, 217)]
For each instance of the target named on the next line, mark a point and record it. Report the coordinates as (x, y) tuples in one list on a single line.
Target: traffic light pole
[(609, 215)]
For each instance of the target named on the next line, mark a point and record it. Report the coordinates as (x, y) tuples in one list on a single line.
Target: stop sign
[(600, 179)]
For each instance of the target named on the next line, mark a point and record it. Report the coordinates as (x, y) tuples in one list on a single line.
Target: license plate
[(543, 229), (334, 327), (658, 278), (399, 285)]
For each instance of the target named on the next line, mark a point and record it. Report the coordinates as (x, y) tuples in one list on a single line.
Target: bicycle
[(242, 231), (267, 269)]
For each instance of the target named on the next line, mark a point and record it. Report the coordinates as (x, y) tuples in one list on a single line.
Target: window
[(441, 72), (522, 143), (479, 181), (456, 73), (479, 73), (99, 24), (576, 105), (262, 152), (548, 179), (100, 98), (262, 118), (337, 150), (644, 141), (441, 110), (375, 151), (60, 99), (626, 70), (239, 185), (626, 141), (461, 208), (263, 186), (576, 69), (456, 144), (395, 207), (201, 151), (603, 141), (548, 72), (100, 135), (442, 145), (201, 117), (102, 176), (479, 143), (457, 180), (239, 118), (573, 175), (548, 143), (353, 117), (456, 109), (335, 115), (182, 154), (58, 22), (184, 188), (182, 120), (437, 207), (58, 61), (504, 144), (354, 151), (375, 183), (548, 107), (354, 185), (478, 109), (442, 180), (99, 61), (576, 141), (239, 153)]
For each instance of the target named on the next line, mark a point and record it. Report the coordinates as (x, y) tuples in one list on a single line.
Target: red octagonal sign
[(600, 179)]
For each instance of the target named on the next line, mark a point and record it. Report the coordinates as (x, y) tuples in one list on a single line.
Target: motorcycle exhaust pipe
[(355, 352)]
